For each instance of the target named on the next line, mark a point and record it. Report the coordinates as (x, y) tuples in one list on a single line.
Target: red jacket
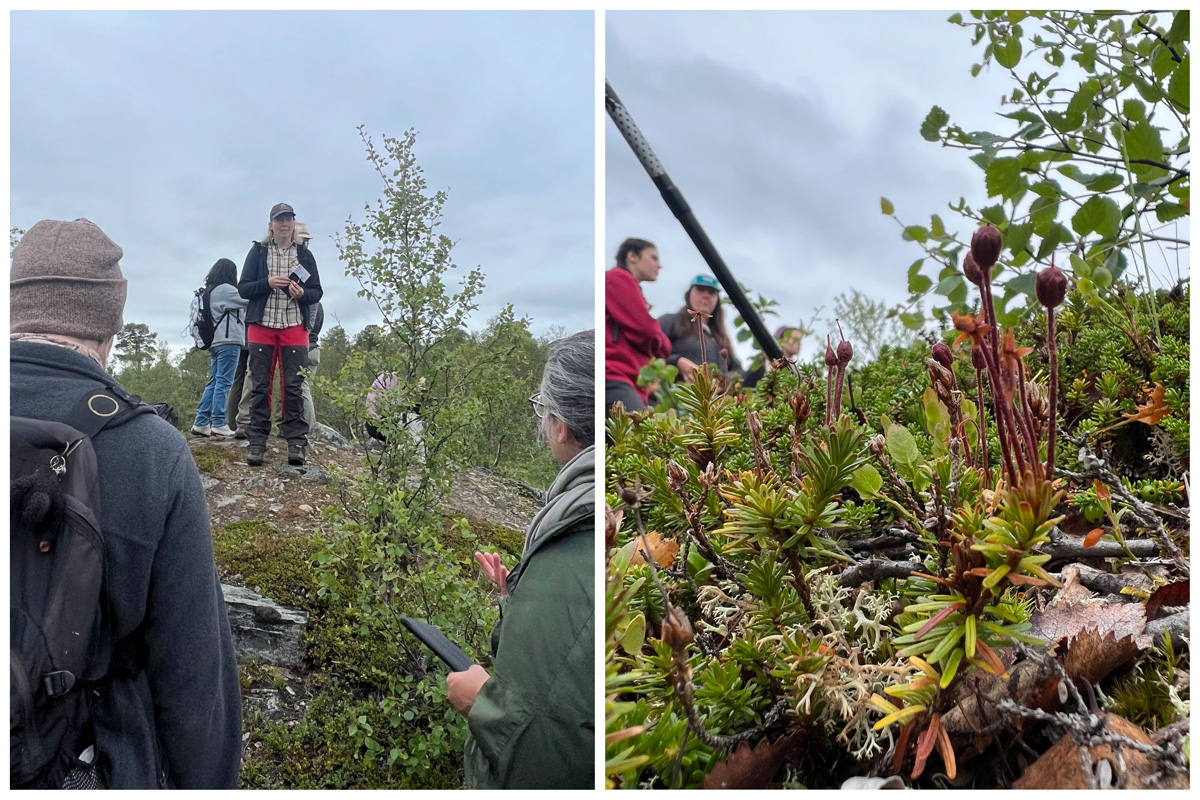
[(631, 336)]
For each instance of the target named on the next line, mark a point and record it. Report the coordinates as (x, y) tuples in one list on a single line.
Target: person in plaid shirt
[(281, 282)]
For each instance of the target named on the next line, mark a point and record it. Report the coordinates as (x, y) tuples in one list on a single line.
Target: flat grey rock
[(229, 500), (208, 483), (264, 629)]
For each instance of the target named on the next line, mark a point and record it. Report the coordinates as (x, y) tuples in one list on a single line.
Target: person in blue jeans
[(228, 310)]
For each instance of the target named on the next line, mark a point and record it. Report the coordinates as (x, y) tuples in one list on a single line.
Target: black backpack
[(202, 326), (61, 644)]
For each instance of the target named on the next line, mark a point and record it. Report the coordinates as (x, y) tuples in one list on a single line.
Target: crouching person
[(156, 702), (531, 720)]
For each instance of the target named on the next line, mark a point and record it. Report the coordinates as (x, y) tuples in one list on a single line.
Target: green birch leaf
[(937, 229), (1169, 211), (913, 320), (886, 206), (867, 481), (1144, 141), (1180, 28), (1022, 284), (933, 124), (902, 447), (1042, 213), (1003, 178), (915, 233), (1180, 85), (1008, 52), (949, 284), (1099, 215), (1162, 62), (1134, 110), (1103, 183), (1016, 238)]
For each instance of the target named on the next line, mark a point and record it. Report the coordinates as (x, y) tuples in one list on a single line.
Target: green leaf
[(1169, 211), (1180, 85), (1016, 238), (1103, 182), (947, 286), (937, 228), (1144, 141), (1134, 110), (1055, 56), (955, 19), (1081, 268), (1180, 29), (1100, 215), (1022, 284), (1008, 52), (902, 447), (919, 283), (867, 481), (886, 206), (1004, 178), (634, 636), (1023, 115), (995, 215), (1052, 238), (1042, 213), (915, 233), (933, 124), (913, 320), (1102, 278)]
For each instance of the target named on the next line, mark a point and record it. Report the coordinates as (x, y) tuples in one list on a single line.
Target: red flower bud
[(1051, 286), (941, 353), (725, 353), (986, 245), (977, 359), (974, 274), (830, 358), (844, 352)]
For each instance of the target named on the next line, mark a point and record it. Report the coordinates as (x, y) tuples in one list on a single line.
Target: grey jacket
[(232, 329), (174, 719)]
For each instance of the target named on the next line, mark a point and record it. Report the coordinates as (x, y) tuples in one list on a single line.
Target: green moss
[(279, 563), (209, 458)]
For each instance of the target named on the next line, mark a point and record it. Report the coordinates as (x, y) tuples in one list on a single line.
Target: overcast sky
[(176, 132), (783, 130)]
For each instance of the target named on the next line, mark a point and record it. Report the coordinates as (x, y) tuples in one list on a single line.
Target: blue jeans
[(212, 404)]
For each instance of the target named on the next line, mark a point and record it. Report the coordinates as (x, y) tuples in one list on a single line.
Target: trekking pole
[(683, 212)]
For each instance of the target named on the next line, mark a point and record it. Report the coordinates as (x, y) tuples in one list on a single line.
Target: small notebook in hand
[(436, 641), (299, 274)]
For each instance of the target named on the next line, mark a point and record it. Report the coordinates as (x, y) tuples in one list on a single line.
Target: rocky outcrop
[(264, 630)]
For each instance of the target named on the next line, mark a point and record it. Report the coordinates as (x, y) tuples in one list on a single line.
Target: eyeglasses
[(539, 408)]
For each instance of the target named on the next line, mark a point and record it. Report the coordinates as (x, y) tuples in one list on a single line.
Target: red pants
[(287, 347)]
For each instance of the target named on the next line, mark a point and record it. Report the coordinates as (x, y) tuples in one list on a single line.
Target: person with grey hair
[(531, 719), (166, 712)]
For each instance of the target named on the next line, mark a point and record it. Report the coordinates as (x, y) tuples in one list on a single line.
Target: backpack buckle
[(58, 683)]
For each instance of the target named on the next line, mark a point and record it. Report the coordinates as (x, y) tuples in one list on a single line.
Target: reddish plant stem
[(982, 420), (829, 397), (837, 394), (1025, 417), (1053, 421)]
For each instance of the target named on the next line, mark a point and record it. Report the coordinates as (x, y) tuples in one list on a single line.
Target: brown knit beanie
[(66, 279)]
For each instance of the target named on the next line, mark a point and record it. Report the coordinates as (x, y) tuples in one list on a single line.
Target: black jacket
[(253, 285), (176, 722)]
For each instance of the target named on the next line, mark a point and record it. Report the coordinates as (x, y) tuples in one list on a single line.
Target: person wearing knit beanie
[(66, 280)]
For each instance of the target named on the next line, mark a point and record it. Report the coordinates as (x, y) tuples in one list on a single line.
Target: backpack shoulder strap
[(104, 407)]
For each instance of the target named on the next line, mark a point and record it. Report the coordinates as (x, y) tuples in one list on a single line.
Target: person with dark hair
[(227, 309), (531, 719), (161, 690), (687, 350), (631, 336), (281, 282), (789, 339)]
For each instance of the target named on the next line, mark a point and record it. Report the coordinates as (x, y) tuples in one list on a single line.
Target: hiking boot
[(296, 455), (240, 433), (201, 430), (222, 430), (254, 456)]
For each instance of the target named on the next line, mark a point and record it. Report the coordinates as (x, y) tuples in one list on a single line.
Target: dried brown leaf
[(1061, 767), (751, 767), (1076, 609), (663, 551), (1173, 594), (1093, 656)]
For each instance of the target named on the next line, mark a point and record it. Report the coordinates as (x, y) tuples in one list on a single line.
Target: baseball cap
[(281, 208), (706, 280)]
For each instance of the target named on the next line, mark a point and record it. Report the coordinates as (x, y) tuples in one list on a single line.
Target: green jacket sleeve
[(532, 724)]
